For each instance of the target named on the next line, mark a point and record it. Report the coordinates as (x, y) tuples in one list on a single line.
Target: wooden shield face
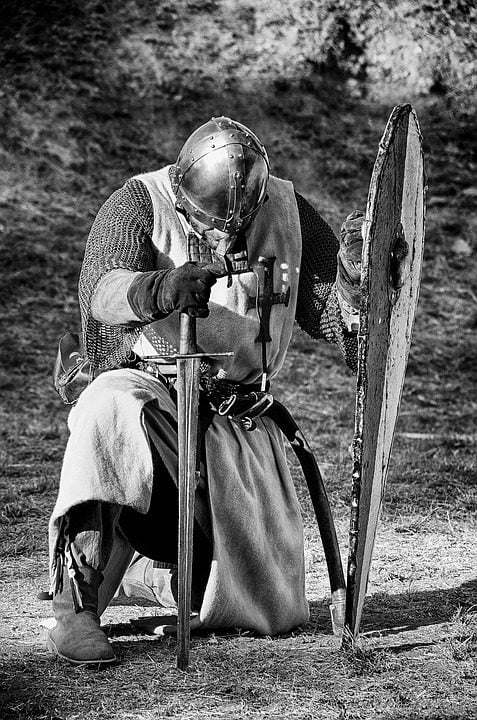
[(395, 209)]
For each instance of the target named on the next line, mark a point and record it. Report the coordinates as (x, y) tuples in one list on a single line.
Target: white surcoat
[(257, 577), (233, 324)]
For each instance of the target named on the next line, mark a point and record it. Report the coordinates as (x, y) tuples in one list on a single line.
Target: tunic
[(246, 500)]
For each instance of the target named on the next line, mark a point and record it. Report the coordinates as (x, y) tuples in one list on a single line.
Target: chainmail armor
[(121, 238), (318, 312)]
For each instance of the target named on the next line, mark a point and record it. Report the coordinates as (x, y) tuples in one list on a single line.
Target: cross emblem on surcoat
[(266, 297)]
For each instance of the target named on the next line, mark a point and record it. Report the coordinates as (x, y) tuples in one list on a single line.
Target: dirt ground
[(63, 150)]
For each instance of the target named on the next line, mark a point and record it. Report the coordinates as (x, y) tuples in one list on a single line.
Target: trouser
[(116, 540)]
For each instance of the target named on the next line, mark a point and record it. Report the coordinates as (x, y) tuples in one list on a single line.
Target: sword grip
[(187, 334)]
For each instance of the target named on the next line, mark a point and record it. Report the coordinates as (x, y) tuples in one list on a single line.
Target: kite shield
[(389, 294)]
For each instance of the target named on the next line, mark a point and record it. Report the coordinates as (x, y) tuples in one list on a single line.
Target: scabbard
[(321, 506)]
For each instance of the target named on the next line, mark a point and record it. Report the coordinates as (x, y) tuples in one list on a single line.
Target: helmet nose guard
[(220, 177)]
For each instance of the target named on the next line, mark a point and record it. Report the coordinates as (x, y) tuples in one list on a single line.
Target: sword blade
[(188, 376)]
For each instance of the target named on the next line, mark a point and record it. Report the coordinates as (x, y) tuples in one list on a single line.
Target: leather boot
[(77, 636)]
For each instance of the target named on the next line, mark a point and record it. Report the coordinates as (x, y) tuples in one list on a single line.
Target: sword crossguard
[(204, 355)]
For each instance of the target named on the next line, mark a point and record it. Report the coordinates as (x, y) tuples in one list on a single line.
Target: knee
[(104, 400)]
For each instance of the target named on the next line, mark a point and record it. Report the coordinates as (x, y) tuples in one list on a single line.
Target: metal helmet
[(221, 174)]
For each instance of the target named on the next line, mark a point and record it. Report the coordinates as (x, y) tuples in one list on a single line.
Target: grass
[(68, 139)]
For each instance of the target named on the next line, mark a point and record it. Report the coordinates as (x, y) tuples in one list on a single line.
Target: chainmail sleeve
[(120, 237), (318, 312)]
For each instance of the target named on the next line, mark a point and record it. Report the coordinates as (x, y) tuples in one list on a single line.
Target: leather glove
[(154, 295), (349, 259)]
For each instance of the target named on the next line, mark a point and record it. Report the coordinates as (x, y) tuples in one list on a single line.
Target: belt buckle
[(262, 401)]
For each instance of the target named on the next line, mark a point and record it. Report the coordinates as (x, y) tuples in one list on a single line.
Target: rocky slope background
[(92, 92)]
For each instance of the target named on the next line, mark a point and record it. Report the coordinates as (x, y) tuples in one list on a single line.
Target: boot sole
[(52, 647)]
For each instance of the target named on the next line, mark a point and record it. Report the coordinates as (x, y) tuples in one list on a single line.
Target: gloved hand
[(349, 259), (154, 295)]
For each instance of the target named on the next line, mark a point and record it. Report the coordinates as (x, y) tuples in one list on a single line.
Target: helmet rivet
[(231, 134), (212, 145), (231, 155)]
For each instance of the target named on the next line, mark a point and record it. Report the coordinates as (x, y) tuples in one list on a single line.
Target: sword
[(188, 377)]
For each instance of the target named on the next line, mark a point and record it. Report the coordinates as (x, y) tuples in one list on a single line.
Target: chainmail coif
[(121, 238)]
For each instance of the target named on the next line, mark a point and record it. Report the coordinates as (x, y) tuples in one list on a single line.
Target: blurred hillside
[(92, 92)]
